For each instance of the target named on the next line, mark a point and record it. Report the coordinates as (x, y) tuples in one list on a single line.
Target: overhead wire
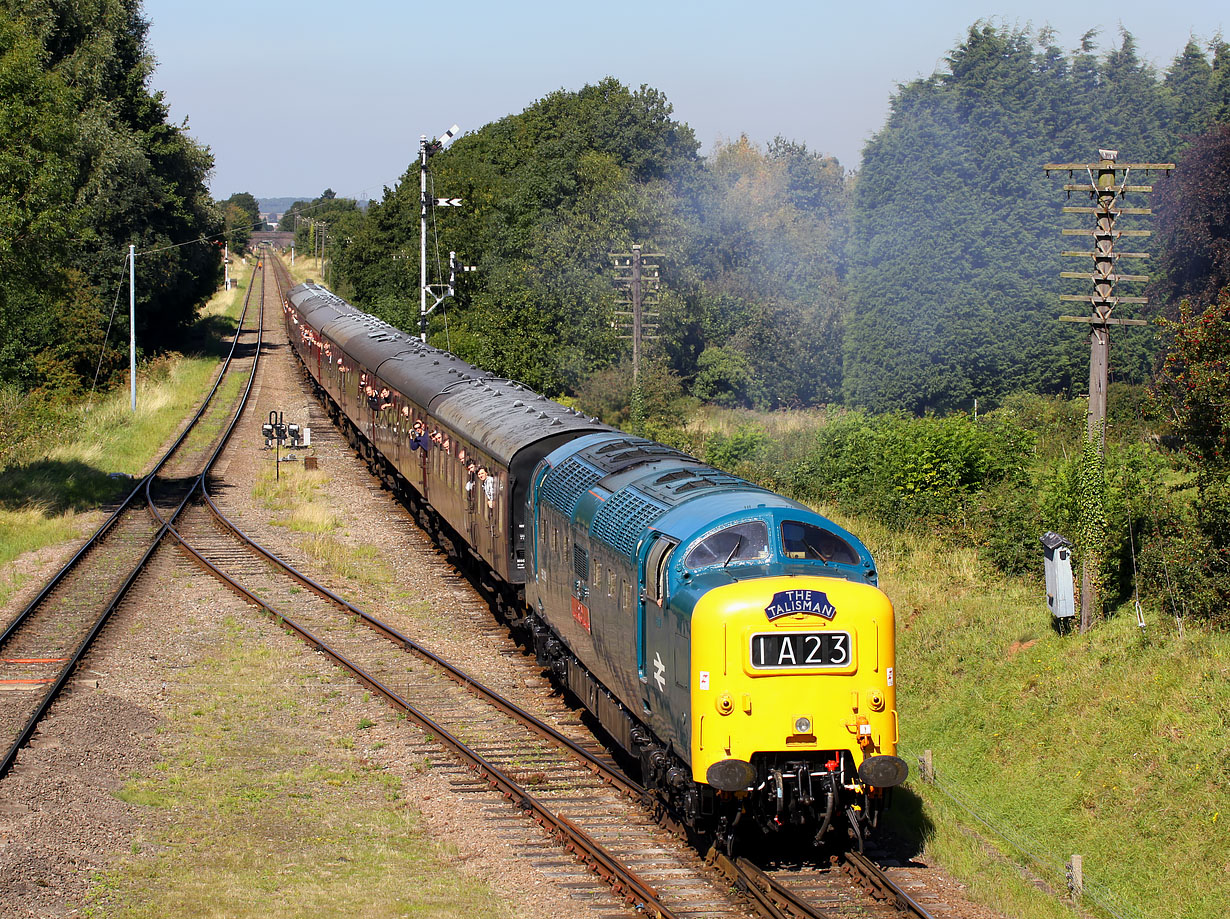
[(103, 348)]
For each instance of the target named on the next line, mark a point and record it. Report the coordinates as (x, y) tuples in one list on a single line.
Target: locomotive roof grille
[(674, 476), (565, 484), (613, 445), (622, 518), (709, 481), (621, 454)]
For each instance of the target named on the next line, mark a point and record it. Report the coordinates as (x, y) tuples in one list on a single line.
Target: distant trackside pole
[(132, 324)]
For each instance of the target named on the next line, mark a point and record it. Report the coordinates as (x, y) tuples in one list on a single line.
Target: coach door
[(422, 459), (472, 497)]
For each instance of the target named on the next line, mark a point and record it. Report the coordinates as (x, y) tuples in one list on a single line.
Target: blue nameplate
[(788, 602)]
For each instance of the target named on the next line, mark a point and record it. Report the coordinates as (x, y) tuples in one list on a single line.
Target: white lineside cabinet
[(1060, 587)]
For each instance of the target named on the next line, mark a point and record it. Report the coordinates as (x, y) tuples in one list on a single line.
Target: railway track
[(571, 789), (44, 644), (601, 822), (850, 886)]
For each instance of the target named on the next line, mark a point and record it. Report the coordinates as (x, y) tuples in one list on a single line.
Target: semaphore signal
[(428, 149)]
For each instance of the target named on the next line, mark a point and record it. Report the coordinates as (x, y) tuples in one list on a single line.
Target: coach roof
[(499, 414)]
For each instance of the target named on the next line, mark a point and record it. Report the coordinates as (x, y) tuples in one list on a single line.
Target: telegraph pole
[(132, 324), (641, 280), (1105, 191)]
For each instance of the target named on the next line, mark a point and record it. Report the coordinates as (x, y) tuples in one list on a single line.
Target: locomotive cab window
[(805, 541), (739, 542)]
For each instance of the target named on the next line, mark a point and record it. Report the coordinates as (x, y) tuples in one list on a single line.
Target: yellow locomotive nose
[(806, 668)]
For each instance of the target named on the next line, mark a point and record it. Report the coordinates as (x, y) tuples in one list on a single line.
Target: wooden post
[(1105, 189), (926, 768), (1076, 877), (636, 314)]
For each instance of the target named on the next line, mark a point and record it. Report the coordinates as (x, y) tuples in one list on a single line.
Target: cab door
[(653, 654)]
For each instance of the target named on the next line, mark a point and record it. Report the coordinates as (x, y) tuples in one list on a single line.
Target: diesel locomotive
[(731, 640)]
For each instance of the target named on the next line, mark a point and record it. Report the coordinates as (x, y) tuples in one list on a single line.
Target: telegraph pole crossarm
[(642, 282)]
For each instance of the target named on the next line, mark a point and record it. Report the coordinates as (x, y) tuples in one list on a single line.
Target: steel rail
[(610, 775), (623, 880), (132, 495), (199, 482), (778, 901), (67, 671), (769, 894), (71, 563), (871, 875)]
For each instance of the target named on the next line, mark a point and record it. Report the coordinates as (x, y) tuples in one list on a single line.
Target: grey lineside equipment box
[(1060, 592)]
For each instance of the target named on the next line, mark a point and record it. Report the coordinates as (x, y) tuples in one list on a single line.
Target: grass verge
[(1110, 745), (296, 497), (306, 268), (77, 459), (255, 817)]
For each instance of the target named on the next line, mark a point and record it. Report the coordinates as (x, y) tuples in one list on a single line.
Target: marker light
[(802, 725)]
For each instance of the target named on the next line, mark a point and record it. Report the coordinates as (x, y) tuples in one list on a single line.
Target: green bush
[(910, 470), (997, 482)]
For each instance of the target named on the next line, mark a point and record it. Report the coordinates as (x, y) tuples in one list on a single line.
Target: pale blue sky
[(296, 97)]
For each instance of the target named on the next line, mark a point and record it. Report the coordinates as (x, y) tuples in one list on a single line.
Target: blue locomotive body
[(730, 639)]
